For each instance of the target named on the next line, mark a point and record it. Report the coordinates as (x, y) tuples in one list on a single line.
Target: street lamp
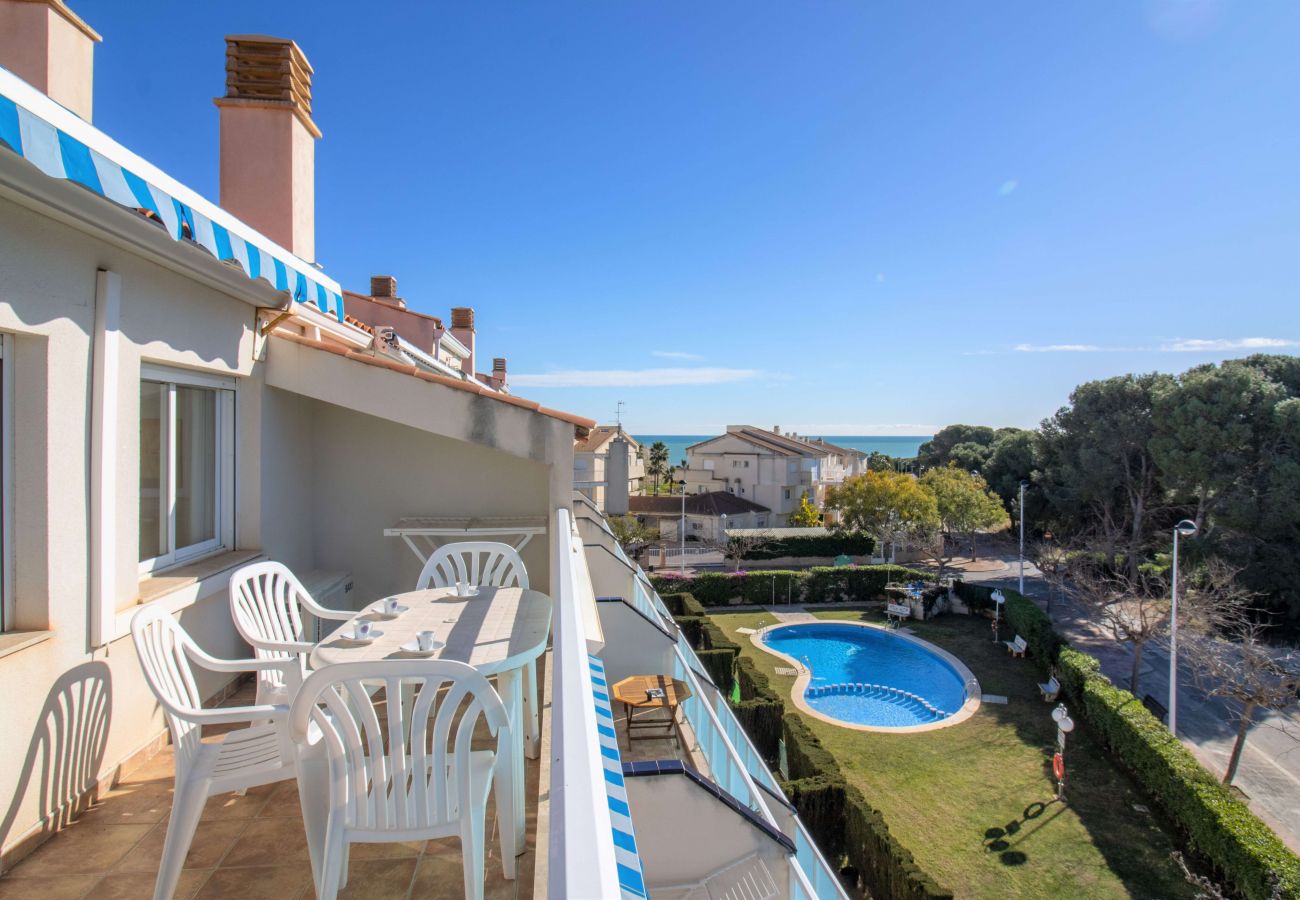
[(1185, 528), (1023, 485), (998, 600), (682, 484), (1064, 725)]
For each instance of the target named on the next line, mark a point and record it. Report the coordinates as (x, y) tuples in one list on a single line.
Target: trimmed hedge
[(1218, 826), (760, 709), (844, 824), (716, 652), (827, 545), (821, 584)]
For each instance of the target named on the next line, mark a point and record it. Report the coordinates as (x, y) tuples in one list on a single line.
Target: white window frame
[(7, 611), (224, 491)]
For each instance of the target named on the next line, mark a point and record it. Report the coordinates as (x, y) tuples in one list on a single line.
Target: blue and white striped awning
[(64, 146), (631, 880)]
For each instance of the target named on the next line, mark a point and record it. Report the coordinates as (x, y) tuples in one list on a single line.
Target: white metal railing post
[(581, 841)]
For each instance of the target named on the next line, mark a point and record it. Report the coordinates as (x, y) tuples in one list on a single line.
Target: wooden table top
[(632, 691), (498, 630)]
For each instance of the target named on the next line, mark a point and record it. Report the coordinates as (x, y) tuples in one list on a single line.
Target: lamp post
[(998, 600), (682, 484), (1185, 528), (1064, 725), (1023, 485)]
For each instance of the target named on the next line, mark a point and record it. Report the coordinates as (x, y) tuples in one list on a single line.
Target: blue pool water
[(868, 676)]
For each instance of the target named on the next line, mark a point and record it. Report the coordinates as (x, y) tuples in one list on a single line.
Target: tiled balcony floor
[(248, 847)]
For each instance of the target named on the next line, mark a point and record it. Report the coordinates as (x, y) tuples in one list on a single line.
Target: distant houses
[(768, 468), (608, 454)]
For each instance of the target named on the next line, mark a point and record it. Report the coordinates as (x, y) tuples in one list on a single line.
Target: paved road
[(1269, 773)]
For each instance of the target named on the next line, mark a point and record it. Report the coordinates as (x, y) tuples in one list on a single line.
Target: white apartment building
[(608, 451), (772, 469), (182, 391)]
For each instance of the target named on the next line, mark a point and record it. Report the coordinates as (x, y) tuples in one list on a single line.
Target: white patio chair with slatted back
[(493, 564), (261, 753), (377, 772), (267, 602)]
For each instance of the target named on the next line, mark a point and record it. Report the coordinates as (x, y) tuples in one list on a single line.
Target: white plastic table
[(498, 632)]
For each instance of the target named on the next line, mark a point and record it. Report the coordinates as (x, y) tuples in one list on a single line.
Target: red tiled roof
[(600, 435), (584, 425)]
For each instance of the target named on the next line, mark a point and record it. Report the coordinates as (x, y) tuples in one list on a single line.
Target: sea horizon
[(902, 446)]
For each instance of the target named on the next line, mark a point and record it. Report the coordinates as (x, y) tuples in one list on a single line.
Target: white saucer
[(472, 592), (377, 609), (352, 638), (413, 648)]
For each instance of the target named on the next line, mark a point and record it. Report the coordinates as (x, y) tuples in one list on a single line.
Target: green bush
[(717, 653), (682, 604), (1218, 826), (821, 584), (760, 709), (819, 545)]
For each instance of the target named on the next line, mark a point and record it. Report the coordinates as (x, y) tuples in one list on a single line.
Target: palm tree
[(658, 465)]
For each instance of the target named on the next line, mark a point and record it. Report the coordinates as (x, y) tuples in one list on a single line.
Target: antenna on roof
[(618, 415)]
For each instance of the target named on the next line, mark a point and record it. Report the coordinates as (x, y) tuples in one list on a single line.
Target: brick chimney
[(499, 373), (52, 49), (268, 141), (462, 329), (384, 289)]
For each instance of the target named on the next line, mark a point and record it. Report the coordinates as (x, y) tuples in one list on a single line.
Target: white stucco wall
[(316, 481)]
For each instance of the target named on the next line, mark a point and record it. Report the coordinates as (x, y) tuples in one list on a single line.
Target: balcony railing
[(582, 860), (736, 766)]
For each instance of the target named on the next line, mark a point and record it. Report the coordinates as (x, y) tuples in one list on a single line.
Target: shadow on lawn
[(1111, 807), (1001, 840)]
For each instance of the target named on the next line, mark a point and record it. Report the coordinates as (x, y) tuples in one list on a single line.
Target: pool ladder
[(880, 691)]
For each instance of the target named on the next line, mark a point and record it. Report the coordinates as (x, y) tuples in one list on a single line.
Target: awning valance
[(62, 145)]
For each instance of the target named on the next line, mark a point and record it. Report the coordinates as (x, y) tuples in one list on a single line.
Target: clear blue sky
[(842, 217)]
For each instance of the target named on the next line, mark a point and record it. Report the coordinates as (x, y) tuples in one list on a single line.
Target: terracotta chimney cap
[(268, 71), (462, 317)]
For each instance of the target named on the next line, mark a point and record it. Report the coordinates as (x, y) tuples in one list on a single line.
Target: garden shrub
[(1218, 826), (819, 545), (760, 709), (821, 584), (682, 604), (717, 653)]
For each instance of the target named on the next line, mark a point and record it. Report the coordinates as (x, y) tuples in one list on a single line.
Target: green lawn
[(974, 802)]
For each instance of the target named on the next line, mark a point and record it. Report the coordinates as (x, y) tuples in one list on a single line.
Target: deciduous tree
[(964, 503), (806, 516), (1237, 663)]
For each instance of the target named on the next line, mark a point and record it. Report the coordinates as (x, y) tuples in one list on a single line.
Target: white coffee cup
[(363, 629), (391, 605), (424, 640)]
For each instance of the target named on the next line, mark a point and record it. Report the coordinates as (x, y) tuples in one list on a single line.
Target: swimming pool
[(868, 677)]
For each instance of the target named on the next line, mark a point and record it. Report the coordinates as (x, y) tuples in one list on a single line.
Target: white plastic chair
[(487, 563), (492, 564), (246, 757), (388, 773), (266, 602)]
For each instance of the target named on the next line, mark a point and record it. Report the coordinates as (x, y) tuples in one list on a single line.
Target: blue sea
[(904, 446)]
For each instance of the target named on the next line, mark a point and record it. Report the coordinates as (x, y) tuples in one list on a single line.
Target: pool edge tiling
[(804, 677)]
